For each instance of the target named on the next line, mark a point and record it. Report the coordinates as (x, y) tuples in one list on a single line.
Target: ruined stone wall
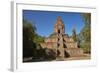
[(61, 42)]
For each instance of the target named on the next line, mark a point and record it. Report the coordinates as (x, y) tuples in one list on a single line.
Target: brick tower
[(59, 31), (61, 43)]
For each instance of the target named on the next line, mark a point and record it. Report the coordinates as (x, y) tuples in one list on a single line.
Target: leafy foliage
[(86, 18), (85, 33), (31, 44), (38, 39), (28, 36)]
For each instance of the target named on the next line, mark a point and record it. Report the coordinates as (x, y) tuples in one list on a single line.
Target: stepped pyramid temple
[(61, 43)]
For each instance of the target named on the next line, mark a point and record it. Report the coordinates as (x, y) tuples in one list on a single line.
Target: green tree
[(28, 36), (38, 39), (31, 44), (86, 18), (85, 33)]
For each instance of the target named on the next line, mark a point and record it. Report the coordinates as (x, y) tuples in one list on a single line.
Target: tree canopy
[(28, 36), (85, 33)]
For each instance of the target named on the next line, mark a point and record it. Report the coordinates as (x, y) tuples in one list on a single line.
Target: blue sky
[(45, 21)]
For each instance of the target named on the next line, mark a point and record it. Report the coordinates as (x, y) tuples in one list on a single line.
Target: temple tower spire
[(59, 30), (59, 26)]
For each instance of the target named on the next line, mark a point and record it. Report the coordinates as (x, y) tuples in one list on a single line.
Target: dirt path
[(84, 57)]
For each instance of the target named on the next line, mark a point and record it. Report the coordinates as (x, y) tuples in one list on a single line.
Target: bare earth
[(84, 57)]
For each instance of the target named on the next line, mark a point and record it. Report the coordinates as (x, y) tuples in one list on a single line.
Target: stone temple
[(61, 43)]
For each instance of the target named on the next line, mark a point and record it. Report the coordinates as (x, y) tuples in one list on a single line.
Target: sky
[(45, 21)]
